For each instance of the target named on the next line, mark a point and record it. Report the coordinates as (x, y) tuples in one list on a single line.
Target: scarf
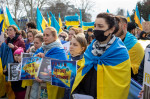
[(99, 49), (46, 48)]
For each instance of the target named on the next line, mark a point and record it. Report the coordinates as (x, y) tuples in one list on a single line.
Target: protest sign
[(63, 73), (66, 47), (13, 71), (146, 79), (45, 69), (30, 67), (23, 55)]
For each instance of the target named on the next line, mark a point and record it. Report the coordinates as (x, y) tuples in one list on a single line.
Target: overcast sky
[(112, 6)]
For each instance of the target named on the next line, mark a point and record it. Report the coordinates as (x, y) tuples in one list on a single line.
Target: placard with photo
[(14, 71), (45, 69)]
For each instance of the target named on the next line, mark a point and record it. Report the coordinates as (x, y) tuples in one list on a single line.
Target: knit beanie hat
[(19, 51)]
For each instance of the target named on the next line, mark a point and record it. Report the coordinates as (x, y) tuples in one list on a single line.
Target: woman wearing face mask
[(105, 70)]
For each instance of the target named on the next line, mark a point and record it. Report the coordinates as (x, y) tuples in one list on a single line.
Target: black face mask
[(99, 35)]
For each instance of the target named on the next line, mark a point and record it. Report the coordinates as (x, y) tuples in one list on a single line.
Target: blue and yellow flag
[(86, 25), (136, 51), (2, 79), (49, 19), (10, 20), (55, 24), (4, 60), (39, 26), (137, 18), (2, 18), (40, 21), (72, 21), (60, 23), (111, 67), (128, 17)]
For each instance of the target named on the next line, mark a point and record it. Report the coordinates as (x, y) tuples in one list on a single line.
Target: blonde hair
[(39, 36), (15, 29), (63, 32), (53, 31), (75, 30)]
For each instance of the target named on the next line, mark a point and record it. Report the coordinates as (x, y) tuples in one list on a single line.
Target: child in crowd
[(16, 85)]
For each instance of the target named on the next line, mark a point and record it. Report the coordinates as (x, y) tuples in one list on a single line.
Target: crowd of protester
[(103, 54)]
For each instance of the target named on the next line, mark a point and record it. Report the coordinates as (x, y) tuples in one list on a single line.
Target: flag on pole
[(55, 24), (128, 17), (137, 18), (2, 17), (49, 19), (9, 19), (41, 22)]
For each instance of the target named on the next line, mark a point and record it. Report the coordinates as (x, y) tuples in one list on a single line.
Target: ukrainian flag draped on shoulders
[(113, 71), (136, 51)]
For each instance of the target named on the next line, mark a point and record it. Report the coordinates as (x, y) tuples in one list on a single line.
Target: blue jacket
[(56, 53)]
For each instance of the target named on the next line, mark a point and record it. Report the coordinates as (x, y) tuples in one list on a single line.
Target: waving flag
[(137, 18), (41, 22), (2, 18), (49, 20), (72, 21), (10, 19), (86, 25), (54, 23), (128, 17), (60, 23)]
